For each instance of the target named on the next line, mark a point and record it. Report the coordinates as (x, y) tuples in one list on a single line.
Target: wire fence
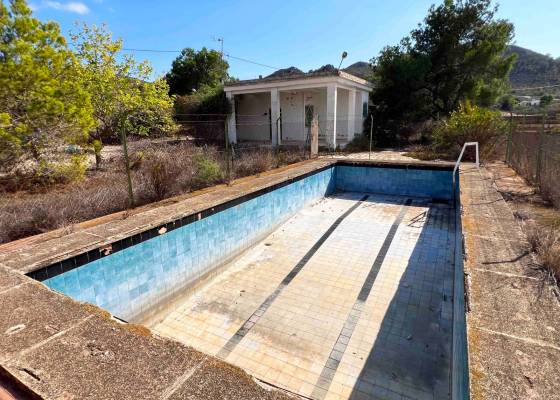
[(533, 150)]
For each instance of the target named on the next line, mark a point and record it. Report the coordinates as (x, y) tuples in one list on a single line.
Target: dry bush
[(27, 215), (545, 243), (252, 162), (160, 171)]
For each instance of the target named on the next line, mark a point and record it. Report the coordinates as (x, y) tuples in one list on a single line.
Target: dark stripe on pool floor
[(254, 318), (327, 374)]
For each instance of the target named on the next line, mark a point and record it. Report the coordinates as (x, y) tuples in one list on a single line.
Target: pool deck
[(53, 347), (513, 323)]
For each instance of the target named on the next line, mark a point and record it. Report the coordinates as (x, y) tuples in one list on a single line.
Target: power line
[(152, 50), (249, 61), (178, 51)]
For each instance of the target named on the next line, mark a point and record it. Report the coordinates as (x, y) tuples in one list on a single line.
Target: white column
[(232, 128), (331, 116), (274, 114), (351, 130)]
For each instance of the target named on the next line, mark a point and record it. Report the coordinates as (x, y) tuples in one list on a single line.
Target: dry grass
[(158, 172), (545, 243)]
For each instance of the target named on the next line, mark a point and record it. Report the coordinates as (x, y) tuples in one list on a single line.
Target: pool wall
[(133, 281), (434, 183)]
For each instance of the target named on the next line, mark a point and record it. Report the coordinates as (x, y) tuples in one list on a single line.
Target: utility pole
[(221, 40)]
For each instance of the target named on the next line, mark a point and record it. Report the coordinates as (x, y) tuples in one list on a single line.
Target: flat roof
[(270, 81)]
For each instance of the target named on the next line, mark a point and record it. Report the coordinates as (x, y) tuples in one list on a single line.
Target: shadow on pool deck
[(411, 354)]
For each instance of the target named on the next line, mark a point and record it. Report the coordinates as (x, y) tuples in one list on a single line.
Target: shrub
[(51, 173), (160, 171), (253, 162), (469, 124), (208, 171), (545, 243)]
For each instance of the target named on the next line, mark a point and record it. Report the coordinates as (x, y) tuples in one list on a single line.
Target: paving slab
[(100, 360), (218, 380), (31, 313), (9, 278)]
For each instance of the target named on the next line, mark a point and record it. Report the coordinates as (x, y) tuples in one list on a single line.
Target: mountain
[(360, 69), (533, 69), (530, 69)]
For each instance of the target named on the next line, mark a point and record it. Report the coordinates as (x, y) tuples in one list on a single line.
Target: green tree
[(192, 70), (457, 54), (121, 93), (507, 102), (42, 101), (545, 101)]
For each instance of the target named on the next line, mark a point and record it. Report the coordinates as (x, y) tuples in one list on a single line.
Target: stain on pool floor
[(349, 299)]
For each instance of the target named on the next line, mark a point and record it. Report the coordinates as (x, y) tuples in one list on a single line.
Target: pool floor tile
[(398, 342)]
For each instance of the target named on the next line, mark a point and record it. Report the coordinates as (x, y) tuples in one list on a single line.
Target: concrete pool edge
[(18, 284)]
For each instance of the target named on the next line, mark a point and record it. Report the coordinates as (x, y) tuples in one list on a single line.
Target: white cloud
[(72, 6)]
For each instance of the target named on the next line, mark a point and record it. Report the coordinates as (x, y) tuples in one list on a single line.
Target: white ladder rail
[(475, 144)]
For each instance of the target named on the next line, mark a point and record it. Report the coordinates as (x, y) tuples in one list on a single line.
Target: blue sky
[(305, 34)]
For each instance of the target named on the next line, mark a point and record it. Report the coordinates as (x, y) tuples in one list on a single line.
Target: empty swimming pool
[(335, 284)]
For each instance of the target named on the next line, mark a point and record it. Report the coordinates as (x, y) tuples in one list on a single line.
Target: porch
[(280, 111)]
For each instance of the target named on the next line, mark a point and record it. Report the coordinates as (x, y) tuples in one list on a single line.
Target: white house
[(278, 109)]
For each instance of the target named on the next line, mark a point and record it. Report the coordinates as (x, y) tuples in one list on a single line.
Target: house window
[(364, 109)]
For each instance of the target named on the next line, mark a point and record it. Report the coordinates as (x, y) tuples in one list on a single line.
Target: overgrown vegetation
[(457, 54), (122, 96), (53, 97), (158, 172), (470, 123), (43, 103), (62, 108), (545, 243)]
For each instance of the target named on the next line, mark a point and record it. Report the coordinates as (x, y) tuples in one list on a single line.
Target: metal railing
[(475, 144)]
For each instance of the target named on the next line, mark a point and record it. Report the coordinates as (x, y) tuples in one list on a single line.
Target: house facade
[(279, 109)]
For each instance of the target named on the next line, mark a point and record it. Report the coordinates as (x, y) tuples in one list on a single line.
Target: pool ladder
[(475, 144)]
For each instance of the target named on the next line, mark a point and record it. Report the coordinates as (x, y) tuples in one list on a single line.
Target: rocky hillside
[(533, 69)]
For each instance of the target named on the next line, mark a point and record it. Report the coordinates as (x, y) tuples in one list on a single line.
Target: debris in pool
[(162, 230), (268, 244), (106, 250), (409, 337)]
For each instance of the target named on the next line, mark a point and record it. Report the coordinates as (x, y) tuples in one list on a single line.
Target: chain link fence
[(533, 150)]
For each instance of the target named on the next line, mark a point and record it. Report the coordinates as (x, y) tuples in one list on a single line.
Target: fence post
[(509, 139), (539, 150), (127, 167), (228, 175)]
